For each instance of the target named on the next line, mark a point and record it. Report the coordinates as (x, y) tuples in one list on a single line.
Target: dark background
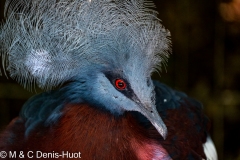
[(205, 64)]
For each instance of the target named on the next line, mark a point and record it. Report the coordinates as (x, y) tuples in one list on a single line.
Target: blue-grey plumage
[(94, 42)]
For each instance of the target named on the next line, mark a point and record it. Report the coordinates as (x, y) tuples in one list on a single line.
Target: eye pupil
[(120, 84)]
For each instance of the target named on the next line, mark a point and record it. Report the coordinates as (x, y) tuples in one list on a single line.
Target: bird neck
[(95, 132)]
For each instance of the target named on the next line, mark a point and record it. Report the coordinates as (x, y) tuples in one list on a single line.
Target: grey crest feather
[(50, 42)]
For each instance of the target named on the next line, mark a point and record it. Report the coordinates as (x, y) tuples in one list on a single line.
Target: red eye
[(120, 84)]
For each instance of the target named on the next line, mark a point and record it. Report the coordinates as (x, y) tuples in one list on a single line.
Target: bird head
[(112, 47)]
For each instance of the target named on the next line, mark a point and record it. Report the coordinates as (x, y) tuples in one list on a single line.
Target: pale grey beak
[(151, 113)]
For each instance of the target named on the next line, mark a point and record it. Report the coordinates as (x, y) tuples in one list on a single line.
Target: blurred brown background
[(205, 64)]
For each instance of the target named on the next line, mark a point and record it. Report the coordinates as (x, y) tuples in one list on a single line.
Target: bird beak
[(151, 113)]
